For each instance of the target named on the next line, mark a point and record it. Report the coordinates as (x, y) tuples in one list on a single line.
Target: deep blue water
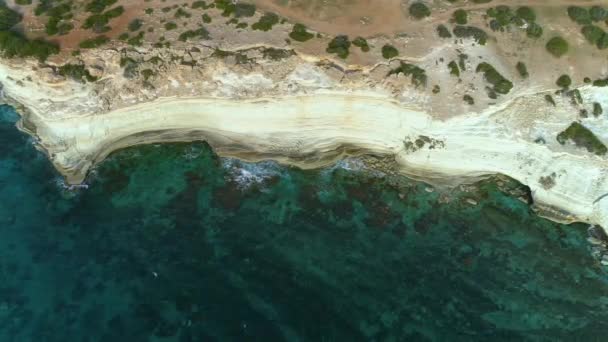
[(171, 243)]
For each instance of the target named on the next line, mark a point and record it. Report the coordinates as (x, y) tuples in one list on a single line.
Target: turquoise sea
[(171, 243)]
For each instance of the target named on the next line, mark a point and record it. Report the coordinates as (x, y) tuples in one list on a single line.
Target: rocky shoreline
[(307, 113)]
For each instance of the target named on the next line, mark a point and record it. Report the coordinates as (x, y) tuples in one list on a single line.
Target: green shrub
[(93, 42), (201, 33), (135, 25), (206, 18), (550, 99), (418, 75), (454, 70), (522, 70), (579, 15), (478, 34), (597, 109), (526, 13), (15, 45), (98, 6), (592, 33), (500, 84), (534, 31), (557, 46), (339, 45), (581, 136), (389, 51), (361, 43), (602, 43), (299, 33), (460, 17), (77, 72), (564, 81), (419, 10), (443, 32), (597, 13), (266, 22), (468, 99), (8, 17), (200, 4), (170, 26)]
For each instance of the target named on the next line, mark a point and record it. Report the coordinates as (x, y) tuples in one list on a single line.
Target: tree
[(419, 10), (557, 46)]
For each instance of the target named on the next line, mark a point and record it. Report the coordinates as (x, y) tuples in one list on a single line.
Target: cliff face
[(262, 102)]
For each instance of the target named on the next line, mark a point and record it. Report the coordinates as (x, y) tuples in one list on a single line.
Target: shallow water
[(171, 243)]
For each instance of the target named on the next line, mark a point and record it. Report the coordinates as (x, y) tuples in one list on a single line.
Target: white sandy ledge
[(302, 129), (315, 129)]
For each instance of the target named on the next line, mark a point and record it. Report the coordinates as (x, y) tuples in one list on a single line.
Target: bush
[(299, 33), (419, 10), (501, 85), (14, 45), (135, 25), (478, 34), (77, 72), (201, 33), (579, 15), (522, 70), (581, 136), (418, 75), (592, 33), (339, 45), (454, 70), (602, 43), (460, 17), (526, 13), (534, 31), (93, 42), (266, 22), (564, 81), (98, 6), (598, 13), (8, 18), (443, 31), (557, 46), (361, 43), (389, 51)]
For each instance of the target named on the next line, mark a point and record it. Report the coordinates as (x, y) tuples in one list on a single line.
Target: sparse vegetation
[(15, 45), (550, 99), (597, 109), (581, 136), (8, 18)]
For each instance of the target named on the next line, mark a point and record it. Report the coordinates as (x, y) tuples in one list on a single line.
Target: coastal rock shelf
[(311, 121)]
